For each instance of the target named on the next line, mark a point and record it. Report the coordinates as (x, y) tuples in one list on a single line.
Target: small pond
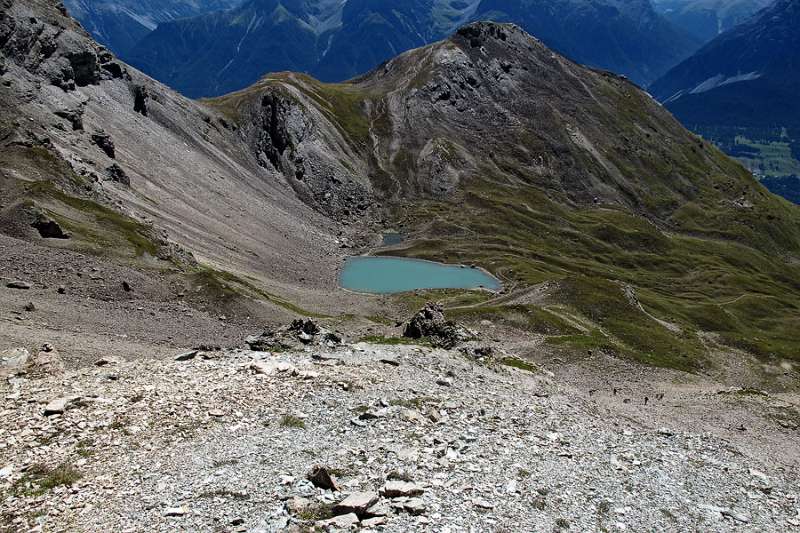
[(387, 275), (392, 239)]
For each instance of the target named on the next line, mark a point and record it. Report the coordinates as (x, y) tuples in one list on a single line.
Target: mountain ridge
[(121, 24), (633, 39), (706, 19)]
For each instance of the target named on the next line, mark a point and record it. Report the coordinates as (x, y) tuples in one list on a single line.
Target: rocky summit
[(176, 352)]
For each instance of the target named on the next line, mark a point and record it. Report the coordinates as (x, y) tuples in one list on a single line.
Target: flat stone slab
[(397, 489), (357, 503)]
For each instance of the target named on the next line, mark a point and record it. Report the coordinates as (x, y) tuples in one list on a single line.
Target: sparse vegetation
[(224, 494), (224, 286), (39, 479), (699, 283), (519, 364), (319, 511), (84, 448), (291, 421)]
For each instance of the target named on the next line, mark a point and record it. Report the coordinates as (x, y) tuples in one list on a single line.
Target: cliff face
[(79, 125)]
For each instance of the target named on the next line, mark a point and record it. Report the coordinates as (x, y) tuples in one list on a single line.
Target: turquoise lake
[(387, 275)]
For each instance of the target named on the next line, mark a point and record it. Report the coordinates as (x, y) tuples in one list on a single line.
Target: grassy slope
[(691, 281), (706, 267)]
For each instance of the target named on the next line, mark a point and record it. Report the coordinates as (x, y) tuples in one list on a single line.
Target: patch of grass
[(687, 277), (226, 286), (104, 229), (595, 339), (84, 448), (524, 317), (340, 472), (39, 479), (291, 421), (315, 512), (520, 364), (377, 319), (539, 503), (412, 302)]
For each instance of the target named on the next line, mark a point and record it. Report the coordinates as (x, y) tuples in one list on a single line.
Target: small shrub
[(39, 479), (291, 421)]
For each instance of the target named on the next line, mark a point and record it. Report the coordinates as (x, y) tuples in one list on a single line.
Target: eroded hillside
[(491, 149)]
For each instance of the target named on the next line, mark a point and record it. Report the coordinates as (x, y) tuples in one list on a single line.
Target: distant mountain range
[(336, 40), (121, 24), (741, 90), (706, 19), (749, 75), (624, 36)]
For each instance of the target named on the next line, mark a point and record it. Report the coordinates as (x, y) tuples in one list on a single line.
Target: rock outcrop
[(430, 323)]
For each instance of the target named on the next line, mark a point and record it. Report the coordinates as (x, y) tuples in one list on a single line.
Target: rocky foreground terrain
[(637, 371), (321, 433)]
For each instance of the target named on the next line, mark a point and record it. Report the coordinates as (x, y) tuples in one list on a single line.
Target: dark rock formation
[(140, 97), (49, 228), (73, 116), (116, 174), (105, 143), (431, 323)]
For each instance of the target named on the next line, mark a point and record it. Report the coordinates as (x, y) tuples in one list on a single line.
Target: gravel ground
[(224, 443)]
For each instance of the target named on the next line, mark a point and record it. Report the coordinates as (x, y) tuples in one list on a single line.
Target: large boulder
[(13, 361), (47, 362), (431, 323)]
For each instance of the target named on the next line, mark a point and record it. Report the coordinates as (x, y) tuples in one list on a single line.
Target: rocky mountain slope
[(121, 24), (744, 77), (624, 36), (583, 183), (150, 245), (335, 41), (131, 171), (581, 178), (388, 438), (706, 19)]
